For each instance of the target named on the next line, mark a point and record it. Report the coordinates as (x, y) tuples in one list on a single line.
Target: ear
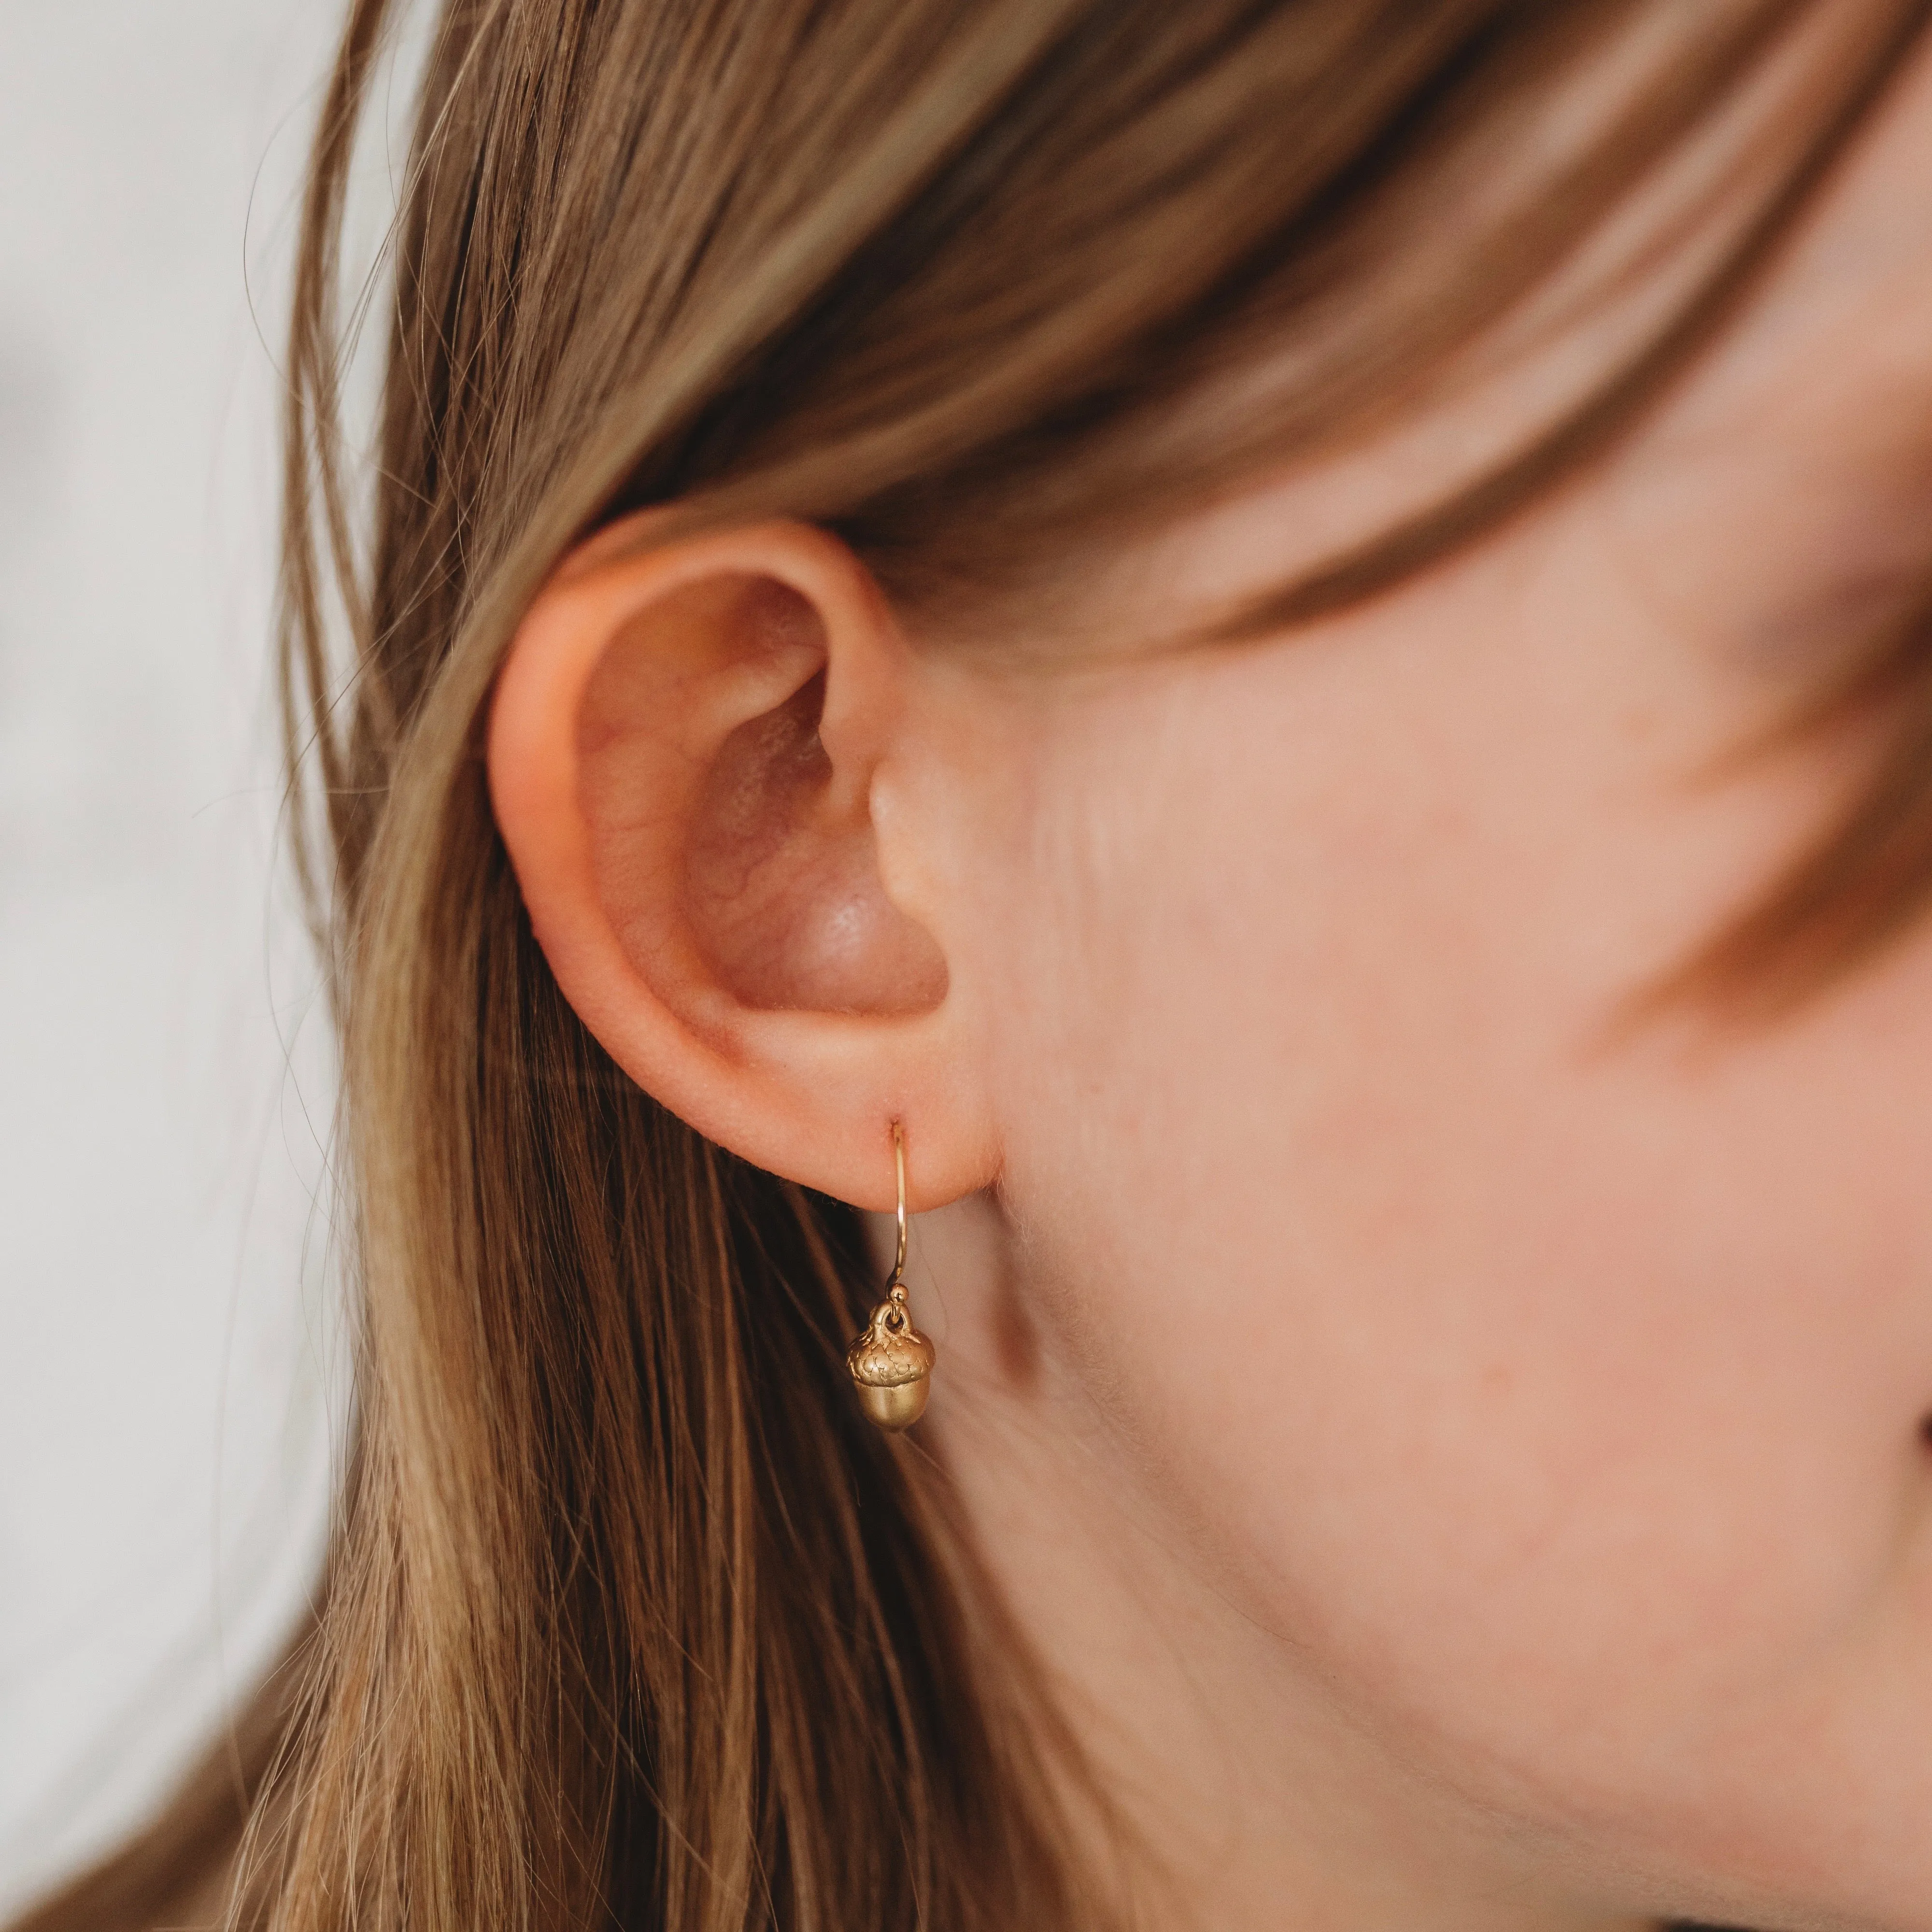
[(700, 760)]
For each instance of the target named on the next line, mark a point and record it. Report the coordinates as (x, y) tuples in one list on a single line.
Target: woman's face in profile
[(1532, 1389)]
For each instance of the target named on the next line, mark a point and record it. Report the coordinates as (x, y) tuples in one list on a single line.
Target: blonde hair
[(629, 1619)]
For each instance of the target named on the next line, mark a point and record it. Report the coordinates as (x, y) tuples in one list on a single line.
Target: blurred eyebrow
[(1871, 582), (1846, 641), (1856, 602)]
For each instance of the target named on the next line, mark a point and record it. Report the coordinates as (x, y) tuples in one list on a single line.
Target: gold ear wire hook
[(899, 1162), (890, 1361)]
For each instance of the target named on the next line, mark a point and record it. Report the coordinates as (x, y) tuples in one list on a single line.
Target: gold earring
[(891, 1361)]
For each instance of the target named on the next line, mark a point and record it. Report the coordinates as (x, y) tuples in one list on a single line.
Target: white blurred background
[(166, 1338)]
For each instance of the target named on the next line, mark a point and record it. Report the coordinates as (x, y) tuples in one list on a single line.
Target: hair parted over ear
[(698, 757)]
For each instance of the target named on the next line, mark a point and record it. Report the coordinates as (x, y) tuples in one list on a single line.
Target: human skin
[(1456, 1443)]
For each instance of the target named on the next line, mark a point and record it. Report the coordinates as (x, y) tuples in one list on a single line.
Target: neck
[(1250, 1794)]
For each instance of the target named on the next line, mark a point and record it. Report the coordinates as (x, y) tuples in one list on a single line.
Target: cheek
[(1557, 1395)]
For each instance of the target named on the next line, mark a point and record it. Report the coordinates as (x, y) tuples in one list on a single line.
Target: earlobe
[(683, 750)]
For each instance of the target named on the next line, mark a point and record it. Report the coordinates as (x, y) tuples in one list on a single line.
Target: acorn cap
[(890, 1352)]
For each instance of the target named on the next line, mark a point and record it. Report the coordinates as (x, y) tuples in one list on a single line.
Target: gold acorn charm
[(891, 1361), (892, 1364)]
